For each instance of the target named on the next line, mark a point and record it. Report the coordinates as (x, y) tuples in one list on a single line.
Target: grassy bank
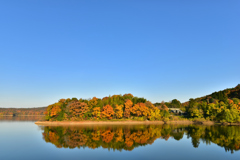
[(128, 122)]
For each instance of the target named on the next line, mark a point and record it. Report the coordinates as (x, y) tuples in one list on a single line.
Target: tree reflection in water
[(130, 137)]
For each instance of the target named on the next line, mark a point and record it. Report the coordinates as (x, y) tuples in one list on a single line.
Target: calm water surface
[(21, 139)]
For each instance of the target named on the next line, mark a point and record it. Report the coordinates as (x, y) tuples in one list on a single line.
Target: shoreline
[(76, 123), (63, 123)]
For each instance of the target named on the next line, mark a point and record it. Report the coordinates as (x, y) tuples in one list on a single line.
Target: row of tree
[(222, 106), (112, 107), (22, 111), (217, 111)]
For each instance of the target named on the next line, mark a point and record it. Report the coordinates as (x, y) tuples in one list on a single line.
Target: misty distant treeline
[(22, 111)]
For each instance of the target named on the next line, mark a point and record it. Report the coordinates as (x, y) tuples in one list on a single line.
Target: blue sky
[(159, 50)]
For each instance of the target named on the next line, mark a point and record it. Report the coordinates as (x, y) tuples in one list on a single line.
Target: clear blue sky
[(160, 50)]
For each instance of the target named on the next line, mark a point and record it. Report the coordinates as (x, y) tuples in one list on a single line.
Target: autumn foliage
[(119, 111), (128, 106), (78, 109), (112, 107), (140, 109), (22, 111), (96, 112), (107, 112)]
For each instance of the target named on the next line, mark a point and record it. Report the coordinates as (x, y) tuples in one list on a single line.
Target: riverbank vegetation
[(113, 107), (222, 106)]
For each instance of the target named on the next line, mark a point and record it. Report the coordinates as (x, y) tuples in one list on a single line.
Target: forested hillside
[(223, 95), (113, 107), (219, 106), (222, 106), (22, 111)]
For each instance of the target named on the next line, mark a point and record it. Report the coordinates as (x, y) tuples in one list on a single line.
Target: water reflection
[(130, 137)]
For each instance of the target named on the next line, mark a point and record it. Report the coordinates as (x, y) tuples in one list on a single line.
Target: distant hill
[(22, 111), (222, 95), (222, 106)]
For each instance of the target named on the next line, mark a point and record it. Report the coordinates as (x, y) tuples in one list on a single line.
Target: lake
[(20, 138)]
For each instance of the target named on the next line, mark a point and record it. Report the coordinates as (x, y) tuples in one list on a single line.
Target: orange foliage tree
[(107, 136), (140, 109), (128, 104), (78, 109), (53, 109), (107, 111)]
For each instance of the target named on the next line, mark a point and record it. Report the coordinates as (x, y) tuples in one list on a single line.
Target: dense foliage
[(222, 106), (130, 137), (112, 107)]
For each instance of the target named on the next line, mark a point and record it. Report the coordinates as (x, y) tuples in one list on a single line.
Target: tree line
[(222, 106), (22, 111), (113, 107)]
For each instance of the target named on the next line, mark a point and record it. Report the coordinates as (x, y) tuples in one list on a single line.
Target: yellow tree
[(155, 114), (96, 112), (119, 111), (154, 111)]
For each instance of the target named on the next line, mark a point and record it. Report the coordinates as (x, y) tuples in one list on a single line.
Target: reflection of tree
[(224, 136), (107, 136), (77, 138), (119, 135), (177, 134), (130, 137), (119, 138), (196, 133)]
